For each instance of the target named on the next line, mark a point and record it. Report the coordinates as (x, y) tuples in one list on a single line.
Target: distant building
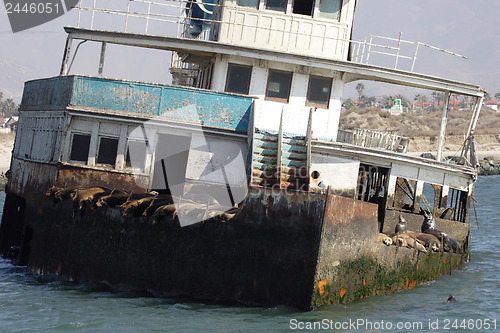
[(8, 125), (492, 105)]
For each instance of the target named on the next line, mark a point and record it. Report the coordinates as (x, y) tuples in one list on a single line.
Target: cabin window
[(318, 92), (330, 9), (278, 5), (278, 85), (249, 3), (304, 7), (136, 155), (238, 79), (80, 145), (457, 206), (404, 195), (108, 148)]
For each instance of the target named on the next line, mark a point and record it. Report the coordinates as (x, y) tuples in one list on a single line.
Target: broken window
[(249, 3), (278, 86), (457, 206), (136, 155), (80, 145), (318, 92), (278, 5), (304, 7), (404, 195), (330, 9), (238, 79), (108, 148)]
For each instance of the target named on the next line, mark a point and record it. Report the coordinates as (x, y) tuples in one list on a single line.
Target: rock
[(485, 164)]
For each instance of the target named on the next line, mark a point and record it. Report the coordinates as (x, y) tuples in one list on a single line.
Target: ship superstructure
[(251, 125)]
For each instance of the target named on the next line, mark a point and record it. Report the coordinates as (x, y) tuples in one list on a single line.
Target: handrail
[(178, 12)]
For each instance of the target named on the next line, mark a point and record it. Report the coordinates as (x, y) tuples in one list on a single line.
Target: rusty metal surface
[(350, 229), (30, 177), (79, 177)]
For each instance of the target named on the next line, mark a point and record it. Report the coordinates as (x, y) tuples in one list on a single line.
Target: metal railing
[(366, 47), (176, 16), (374, 139)]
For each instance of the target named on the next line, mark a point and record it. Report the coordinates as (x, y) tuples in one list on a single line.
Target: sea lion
[(429, 222), (157, 202), (414, 243), (165, 210), (383, 238), (51, 192), (401, 226), (452, 245), (81, 196), (409, 240), (97, 197), (116, 199), (431, 242), (451, 299), (136, 207), (65, 193)]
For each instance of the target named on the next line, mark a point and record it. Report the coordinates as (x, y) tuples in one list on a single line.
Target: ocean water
[(29, 303)]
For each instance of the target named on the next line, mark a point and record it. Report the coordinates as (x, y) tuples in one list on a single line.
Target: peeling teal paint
[(211, 108)]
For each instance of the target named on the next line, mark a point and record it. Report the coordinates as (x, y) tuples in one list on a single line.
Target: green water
[(32, 304)]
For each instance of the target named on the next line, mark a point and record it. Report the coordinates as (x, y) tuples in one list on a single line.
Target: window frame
[(318, 9), (248, 82), (99, 138), (127, 151), (278, 99), (304, 15), (73, 133), (315, 104)]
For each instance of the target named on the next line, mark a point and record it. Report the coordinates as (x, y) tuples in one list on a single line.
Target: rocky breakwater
[(489, 166)]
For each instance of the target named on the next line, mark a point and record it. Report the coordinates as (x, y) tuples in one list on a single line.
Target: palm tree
[(497, 96), (360, 87)]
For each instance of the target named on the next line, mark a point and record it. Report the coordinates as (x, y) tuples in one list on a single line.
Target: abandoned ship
[(234, 183)]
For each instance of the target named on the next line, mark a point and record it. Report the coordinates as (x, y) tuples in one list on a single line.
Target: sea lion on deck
[(136, 207), (409, 239), (383, 238), (401, 226), (51, 192), (160, 200), (81, 196), (65, 193), (116, 199), (430, 227), (165, 210), (432, 243), (429, 222)]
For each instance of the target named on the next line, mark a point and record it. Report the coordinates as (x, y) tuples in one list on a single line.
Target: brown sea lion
[(51, 192), (165, 210), (136, 207), (81, 196), (383, 238), (65, 194), (117, 199), (430, 241), (159, 201)]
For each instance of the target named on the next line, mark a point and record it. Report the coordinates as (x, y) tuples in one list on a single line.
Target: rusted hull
[(283, 247)]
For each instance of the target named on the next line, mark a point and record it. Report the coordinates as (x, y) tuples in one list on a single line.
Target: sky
[(466, 27)]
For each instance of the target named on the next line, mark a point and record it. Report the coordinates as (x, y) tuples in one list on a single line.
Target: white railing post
[(398, 50), (442, 130)]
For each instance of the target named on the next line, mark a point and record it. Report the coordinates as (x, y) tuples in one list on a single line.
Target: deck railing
[(374, 139), (174, 18)]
